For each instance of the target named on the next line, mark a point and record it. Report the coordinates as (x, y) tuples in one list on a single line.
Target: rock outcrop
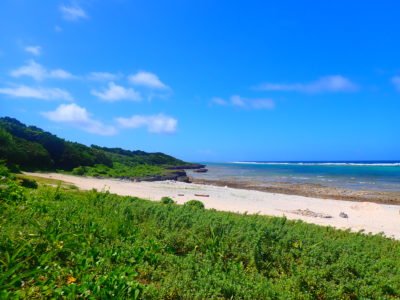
[(186, 167), (202, 170), (176, 175)]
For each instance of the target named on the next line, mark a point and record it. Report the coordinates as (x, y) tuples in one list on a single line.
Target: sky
[(208, 80)]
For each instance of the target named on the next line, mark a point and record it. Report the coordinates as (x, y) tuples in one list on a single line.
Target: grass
[(57, 243), (120, 170), (48, 181)]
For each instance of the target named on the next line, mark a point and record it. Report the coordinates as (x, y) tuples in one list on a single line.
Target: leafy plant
[(58, 243), (194, 204), (29, 183), (167, 200)]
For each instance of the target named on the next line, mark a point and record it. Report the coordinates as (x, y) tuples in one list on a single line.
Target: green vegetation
[(167, 200), (57, 243), (29, 183), (194, 204), (119, 170), (32, 148), (42, 180)]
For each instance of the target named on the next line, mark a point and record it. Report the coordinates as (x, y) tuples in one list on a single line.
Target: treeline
[(32, 148), (141, 157)]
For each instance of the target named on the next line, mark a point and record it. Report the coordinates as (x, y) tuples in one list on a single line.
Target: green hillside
[(31, 148)]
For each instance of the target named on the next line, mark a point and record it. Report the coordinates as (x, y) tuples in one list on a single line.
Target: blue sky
[(208, 80)]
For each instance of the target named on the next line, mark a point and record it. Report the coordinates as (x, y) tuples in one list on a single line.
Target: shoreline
[(307, 190), (364, 216)]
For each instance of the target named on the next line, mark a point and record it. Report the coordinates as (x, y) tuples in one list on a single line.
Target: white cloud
[(115, 93), (102, 76), (77, 116), (219, 101), (38, 72), (155, 123), (23, 91), (35, 50), (396, 82), (236, 100), (239, 101), (147, 79), (59, 73), (334, 83), (72, 13), (262, 104)]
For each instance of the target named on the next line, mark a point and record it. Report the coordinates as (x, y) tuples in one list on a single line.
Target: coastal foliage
[(119, 170), (28, 183), (167, 200), (32, 148), (59, 243), (194, 204)]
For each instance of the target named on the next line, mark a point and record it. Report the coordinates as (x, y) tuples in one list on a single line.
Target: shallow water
[(375, 176)]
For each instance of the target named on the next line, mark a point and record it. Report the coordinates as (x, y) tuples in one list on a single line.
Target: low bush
[(11, 192), (29, 183), (167, 200), (194, 204), (79, 171)]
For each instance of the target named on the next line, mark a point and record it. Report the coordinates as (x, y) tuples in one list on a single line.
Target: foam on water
[(362, 175), (388, 164)]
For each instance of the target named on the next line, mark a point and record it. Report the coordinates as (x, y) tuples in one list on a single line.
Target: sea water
[(356, 175)]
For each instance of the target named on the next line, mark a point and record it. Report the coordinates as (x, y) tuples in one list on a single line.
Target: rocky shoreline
[(175, 173), (308, 190)]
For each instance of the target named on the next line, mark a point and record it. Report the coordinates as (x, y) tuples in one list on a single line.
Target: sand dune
[(371, 217)]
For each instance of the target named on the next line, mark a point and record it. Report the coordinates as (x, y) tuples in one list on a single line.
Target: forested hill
[(32, 148)]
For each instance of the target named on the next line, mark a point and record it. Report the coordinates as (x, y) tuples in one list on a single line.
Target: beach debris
[(343, 215), (202, 195), (309, 213)]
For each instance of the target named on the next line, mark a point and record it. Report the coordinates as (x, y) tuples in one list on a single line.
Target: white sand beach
[(367, 216)]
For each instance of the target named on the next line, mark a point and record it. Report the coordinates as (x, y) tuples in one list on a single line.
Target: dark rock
[(343, 215), (176, 175), (186, 167), (202, 170), (183, 179)]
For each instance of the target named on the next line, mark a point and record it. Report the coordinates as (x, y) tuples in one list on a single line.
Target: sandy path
[(367, 216)]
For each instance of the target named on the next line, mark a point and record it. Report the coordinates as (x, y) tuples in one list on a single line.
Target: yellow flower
[(71, 279)]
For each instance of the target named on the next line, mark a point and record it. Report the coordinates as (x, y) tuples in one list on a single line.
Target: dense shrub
[(194, 204), (167, 200), (29, 183), (11, 192), (4, 172), (78, 170)]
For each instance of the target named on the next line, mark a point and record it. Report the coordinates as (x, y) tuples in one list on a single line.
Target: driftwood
[(202, 195)]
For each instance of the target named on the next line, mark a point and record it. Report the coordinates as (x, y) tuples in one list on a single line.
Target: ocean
[(354, 175)]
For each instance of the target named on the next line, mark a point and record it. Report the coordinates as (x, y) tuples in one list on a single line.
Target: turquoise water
[(379, 176)]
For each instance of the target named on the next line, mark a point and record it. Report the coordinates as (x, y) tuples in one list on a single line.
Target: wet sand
[(308, 190)]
